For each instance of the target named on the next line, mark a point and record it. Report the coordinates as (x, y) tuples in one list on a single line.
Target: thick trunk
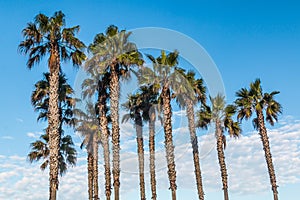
[(114, 103), (104, 138), (95, 166), (194, 142), (266, 146), (53, 122), (152, 152), (90, 163), (140, 151), (169, 140), (221, 158)]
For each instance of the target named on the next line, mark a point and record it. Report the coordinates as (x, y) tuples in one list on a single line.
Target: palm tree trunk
[(114, 102), (95, 166), (194, 142), (221, 158), (140, 149), (53, 122), (266, 146), (90, 163), (152, 152), (105, 135), (169, 140)]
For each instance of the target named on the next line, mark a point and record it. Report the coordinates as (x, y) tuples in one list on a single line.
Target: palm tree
[(48, 36), (40, 101), (87, 126), (221, 116), (113, 53), (99, 84), (166, 79), (149, 95), (134, 108), (200, 96), (253, 100)]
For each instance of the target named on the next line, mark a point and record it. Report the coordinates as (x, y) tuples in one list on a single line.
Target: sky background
[(245, 39)]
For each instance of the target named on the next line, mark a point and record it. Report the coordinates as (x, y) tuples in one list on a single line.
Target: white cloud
[(20, 120), (35, 135), (244, 158), (7, 137)]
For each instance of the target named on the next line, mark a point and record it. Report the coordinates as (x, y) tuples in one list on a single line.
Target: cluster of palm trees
[(112, 58)]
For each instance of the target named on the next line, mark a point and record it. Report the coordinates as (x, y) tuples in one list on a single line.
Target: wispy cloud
[(7, 137), (35, 135), (20, 120)]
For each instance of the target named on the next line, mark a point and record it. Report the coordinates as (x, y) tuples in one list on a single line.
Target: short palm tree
[(134, 108), (114, 53), (88, 126), (190, 101), (221, 116), (149, 97), (253, 100), (98, 84), (40, 101), (167, 80), (48, 36)]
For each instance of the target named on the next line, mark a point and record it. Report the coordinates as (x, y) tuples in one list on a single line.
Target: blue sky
[(246, 40)]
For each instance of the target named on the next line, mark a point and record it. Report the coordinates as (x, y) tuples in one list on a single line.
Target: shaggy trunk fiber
[(169, 140), (114, 106), (194, 142), (152, 152), (266, 146), (140, 151), (221, 158), (53, 121), (104, 138), (90, 163)]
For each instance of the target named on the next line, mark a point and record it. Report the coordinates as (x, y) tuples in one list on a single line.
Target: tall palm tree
[(253, 100), (134, 108), (113, 53), (221, 116), (87, 126), (48, 36), (98, 84), (165, 77), (40, 102), (190, 101)]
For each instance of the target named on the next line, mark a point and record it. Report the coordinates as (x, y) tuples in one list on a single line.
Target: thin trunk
[(266, 146), (114, 87), (140, 149), (169, 140), (105, 135), (221, 158), (194, 142), (53, 121), (90, 163), (152, 152), (95, 166)]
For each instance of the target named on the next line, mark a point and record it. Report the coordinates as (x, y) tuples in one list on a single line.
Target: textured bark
[(152, 152), (221, 158), (90, 163), (140, 149), (95, 166), (114, 105), (266, 146), (104, 138), (169, 139), (194, 142), (53, 121)]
